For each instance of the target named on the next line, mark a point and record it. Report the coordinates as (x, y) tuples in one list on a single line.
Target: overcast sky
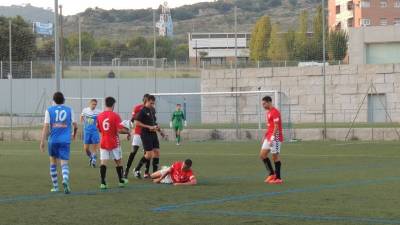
[(75, 6)]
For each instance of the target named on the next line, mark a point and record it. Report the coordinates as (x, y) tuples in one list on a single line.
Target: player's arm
[(45, 130), (74, 125), (192, 181)]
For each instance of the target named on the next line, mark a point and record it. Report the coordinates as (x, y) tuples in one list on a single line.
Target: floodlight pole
[(80, 61), (155, 51), (56, 47), (11, 78), (323, 67), (236, 78)]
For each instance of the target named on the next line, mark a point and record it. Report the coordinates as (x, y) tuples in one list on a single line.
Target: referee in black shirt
[(147, 120)]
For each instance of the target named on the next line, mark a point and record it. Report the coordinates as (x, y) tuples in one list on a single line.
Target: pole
[(80, 42), (236, 78), (11, 78), (61, 42), (31, 69), (323, 67), (155, 51), (196, 56), (56, 47), (80, 61), (259, 114), (1, 69)]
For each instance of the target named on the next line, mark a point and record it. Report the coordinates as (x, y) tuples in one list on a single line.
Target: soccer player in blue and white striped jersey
[(91, 137), (57, 128)]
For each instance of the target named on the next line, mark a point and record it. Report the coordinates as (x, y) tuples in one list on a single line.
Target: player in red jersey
[(272, 142), (136, 140), (109, 125), (180, 173)]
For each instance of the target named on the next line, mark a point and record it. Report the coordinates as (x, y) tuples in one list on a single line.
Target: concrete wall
[(361, 38), (302, 92), (27, 96)]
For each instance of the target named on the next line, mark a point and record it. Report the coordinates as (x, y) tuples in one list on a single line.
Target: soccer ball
[(127, 124)]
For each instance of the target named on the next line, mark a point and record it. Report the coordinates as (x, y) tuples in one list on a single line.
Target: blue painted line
[(294, 216), (27, 198), (239, 198)]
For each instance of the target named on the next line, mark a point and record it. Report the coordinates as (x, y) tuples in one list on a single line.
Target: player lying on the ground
[(272, 142), (178, 120), (91, 138), (58, 121), (180, 173), (110, 125)]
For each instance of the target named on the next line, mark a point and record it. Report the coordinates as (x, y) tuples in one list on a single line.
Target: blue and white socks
[(65, 173), (53, 175)]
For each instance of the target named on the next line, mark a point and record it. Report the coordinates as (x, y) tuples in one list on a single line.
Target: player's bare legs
[(268, 165)]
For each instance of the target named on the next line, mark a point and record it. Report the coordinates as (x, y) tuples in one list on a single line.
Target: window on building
[(338, 9), (350, 5), (350, 22), (365, 22), (338, 26), (397, 3), (383, 22), (365, 4), (383, 3), (397, 21)]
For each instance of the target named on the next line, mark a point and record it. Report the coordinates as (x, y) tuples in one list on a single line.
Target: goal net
[(236, 114)]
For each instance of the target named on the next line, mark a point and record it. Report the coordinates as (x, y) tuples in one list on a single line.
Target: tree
[(139, 47), (277, 48), (182, 52), (260, 39), (301, 38), (23, 39), (290, 44), (88, 45), (337, 45), (316, 46)]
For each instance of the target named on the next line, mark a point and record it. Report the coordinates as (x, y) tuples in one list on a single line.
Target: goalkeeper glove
[(185, 123), (170, 124)]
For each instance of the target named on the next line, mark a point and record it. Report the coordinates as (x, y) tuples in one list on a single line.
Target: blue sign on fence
[(43, 28)]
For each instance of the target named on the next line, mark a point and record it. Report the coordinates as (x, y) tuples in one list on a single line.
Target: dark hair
[(93, 100), (145, 97), (58, 98), (179, 104), (188, 163), (110, 101), (267, 99), (151, 98)]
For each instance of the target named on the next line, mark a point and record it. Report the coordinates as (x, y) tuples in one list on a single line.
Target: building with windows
[(367, 45), (344, 14), (217, 48)]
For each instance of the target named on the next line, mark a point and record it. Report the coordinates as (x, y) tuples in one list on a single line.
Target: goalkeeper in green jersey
[(178, 121)]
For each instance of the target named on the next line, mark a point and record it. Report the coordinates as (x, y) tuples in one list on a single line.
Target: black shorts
[(150, 141)]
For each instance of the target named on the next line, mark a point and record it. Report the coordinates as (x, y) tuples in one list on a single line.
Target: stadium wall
[(301, 92)]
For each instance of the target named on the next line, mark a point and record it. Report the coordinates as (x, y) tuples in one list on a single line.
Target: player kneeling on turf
[(180, 173), (110, 125)]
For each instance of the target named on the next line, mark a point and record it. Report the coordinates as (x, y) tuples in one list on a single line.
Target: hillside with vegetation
[(215, 16)]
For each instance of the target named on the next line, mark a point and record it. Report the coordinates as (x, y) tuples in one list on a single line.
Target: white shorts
[(274, 146), (167, 179), (115, 154), (136, 140)]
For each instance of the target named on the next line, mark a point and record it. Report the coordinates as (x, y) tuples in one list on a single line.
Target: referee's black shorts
[(150, 141)]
